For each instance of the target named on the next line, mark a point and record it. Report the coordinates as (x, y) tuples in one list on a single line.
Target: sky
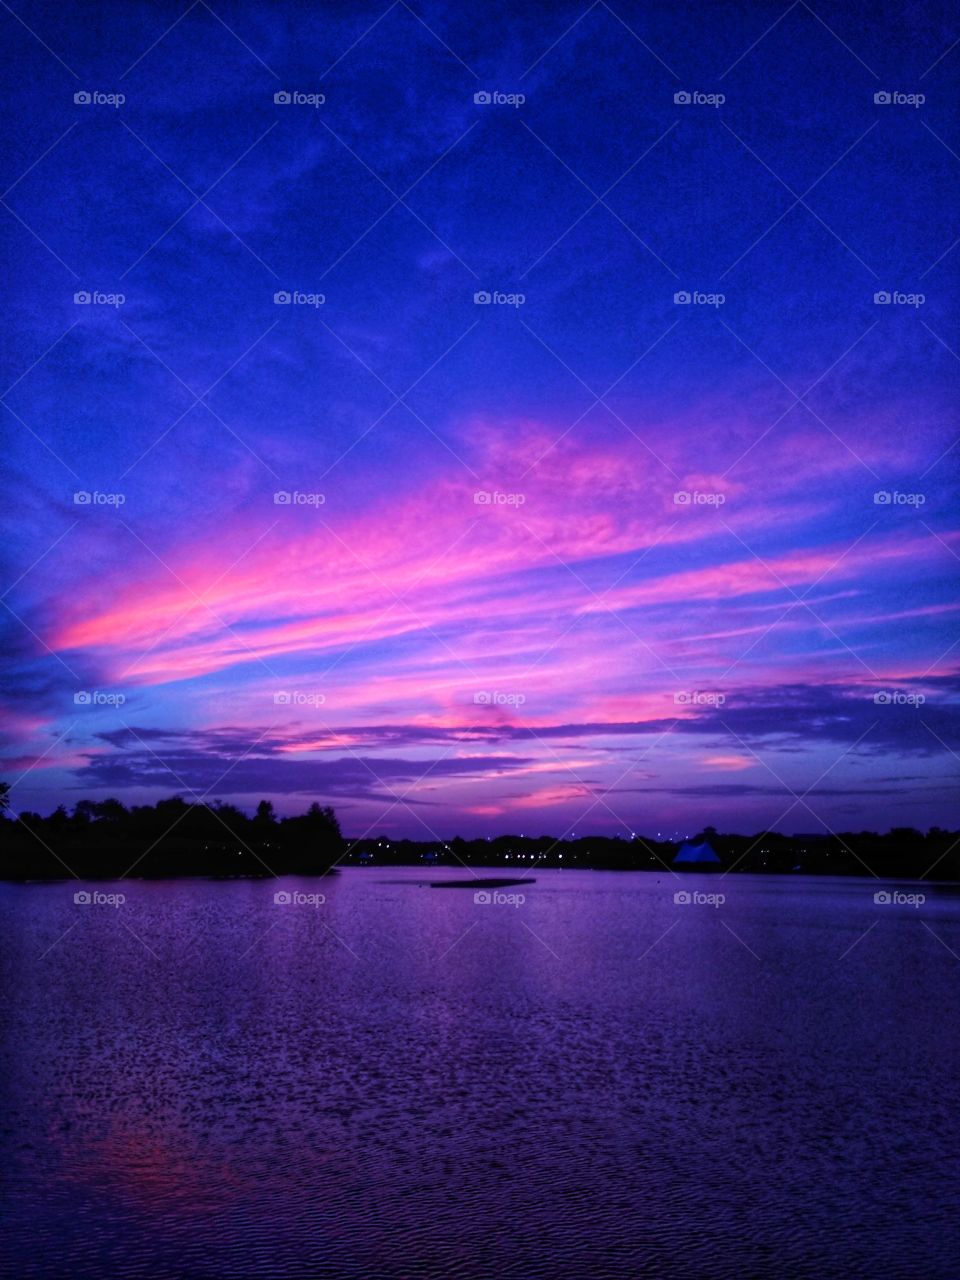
[(535, 419)]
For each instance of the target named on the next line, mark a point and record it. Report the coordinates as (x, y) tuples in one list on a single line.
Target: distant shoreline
[(174, 839)]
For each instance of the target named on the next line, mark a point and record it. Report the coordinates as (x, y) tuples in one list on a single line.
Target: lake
[(580, 1077)]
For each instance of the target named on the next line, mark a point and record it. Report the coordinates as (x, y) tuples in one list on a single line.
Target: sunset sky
[(593, 561)]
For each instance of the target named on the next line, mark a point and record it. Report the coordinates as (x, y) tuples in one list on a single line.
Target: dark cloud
[(740, 790), (788, 717), (346, 762), (233, 762), (843, 714)]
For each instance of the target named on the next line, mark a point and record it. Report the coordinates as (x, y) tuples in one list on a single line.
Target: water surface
[(399, 1081)]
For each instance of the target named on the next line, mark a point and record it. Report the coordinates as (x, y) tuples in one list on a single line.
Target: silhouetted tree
[(265, 815), (172, 837)]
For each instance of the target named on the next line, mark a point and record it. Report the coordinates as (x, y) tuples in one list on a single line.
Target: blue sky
[(584, 555)]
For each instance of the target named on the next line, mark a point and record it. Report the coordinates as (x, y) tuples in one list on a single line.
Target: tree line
[(903, 851), (174, 837)]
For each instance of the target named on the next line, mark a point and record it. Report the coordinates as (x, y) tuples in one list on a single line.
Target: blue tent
[(694, 854)]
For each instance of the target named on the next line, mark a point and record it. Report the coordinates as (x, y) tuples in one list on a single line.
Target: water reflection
[(401, 1080)]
